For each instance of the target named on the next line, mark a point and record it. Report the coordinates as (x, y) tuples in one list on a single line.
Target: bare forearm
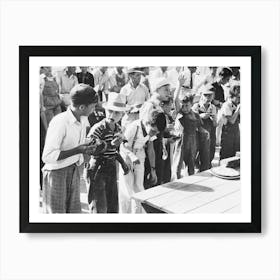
[(69, 153)]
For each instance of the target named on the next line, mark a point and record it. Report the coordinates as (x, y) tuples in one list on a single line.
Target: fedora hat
[(115, 103), (134, 69)]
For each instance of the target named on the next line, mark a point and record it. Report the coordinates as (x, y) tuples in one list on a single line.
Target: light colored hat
[(160, 82), (134, 69), (207, 90), (115, 103)]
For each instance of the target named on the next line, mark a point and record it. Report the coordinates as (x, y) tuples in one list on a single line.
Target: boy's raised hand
[(182, 79)]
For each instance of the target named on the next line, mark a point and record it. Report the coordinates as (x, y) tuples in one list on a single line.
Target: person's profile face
[(236, 99), (87, 109), (225, 80), (113, 116), (164, 92)]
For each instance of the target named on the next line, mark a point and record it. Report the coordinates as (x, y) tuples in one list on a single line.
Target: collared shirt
[(64, 133), (136, 141), (103, 81), (135, 96), (65, 82), (103, 132), (200, 108)]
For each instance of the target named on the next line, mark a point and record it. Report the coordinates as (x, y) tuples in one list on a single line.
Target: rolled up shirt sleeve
[(55, 134)]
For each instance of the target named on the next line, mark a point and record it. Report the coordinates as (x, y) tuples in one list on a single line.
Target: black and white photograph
[(126, 135), (140, 139)]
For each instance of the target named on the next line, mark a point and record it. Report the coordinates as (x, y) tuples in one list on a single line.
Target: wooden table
[(199, 193)]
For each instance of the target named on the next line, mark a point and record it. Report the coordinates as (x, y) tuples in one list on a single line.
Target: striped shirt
[(103, 132)]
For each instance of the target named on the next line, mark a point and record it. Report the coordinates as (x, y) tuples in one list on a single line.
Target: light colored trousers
[(130, 184)]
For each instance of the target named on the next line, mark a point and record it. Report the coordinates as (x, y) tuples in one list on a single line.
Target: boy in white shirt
[(63, 153)]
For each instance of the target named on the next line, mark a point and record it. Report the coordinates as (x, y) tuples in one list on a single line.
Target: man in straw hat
[(63, 153), (135, 94), (103, 191), (162, 93)]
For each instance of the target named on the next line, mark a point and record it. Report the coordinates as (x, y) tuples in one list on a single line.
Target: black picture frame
[(25, 52)]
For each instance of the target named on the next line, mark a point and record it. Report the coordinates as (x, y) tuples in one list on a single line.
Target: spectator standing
[(51, 99), (121, 78), (103, 82), (223, 76), (102, 174), (134, 94), (230, 119), (63, 153), (162, 93), (137, 134), (85, 77), (66, 80), (208, 115)]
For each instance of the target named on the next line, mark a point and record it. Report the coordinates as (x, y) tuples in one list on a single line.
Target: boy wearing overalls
[(187, 124), (207, 113)]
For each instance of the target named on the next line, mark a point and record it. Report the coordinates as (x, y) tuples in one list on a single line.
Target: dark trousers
[(166, 167), (103, 190), (230, 140), (207, 144), (185, 151), (158, 160)]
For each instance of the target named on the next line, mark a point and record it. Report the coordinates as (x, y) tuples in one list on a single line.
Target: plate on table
[(226, 172)]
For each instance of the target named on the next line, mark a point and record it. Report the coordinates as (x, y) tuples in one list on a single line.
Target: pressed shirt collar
[(201, 105), (131, 85), (65, 74), (71, 118)]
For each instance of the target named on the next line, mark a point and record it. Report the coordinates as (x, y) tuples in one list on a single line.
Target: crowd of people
[(131, 128)]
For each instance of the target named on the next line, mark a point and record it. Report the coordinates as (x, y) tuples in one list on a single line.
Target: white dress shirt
[(135, 96), (64, 133)]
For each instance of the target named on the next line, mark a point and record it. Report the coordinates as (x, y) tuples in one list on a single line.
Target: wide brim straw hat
[(115, 103), (134, 69)]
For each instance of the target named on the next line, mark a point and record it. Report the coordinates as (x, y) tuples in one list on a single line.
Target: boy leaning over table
[(63, 152)]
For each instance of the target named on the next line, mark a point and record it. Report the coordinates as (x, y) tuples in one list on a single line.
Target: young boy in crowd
[(187, 124), (230, 118), (63, 153), (208, 115), (102, 174), (167, 141), (155, 148)]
